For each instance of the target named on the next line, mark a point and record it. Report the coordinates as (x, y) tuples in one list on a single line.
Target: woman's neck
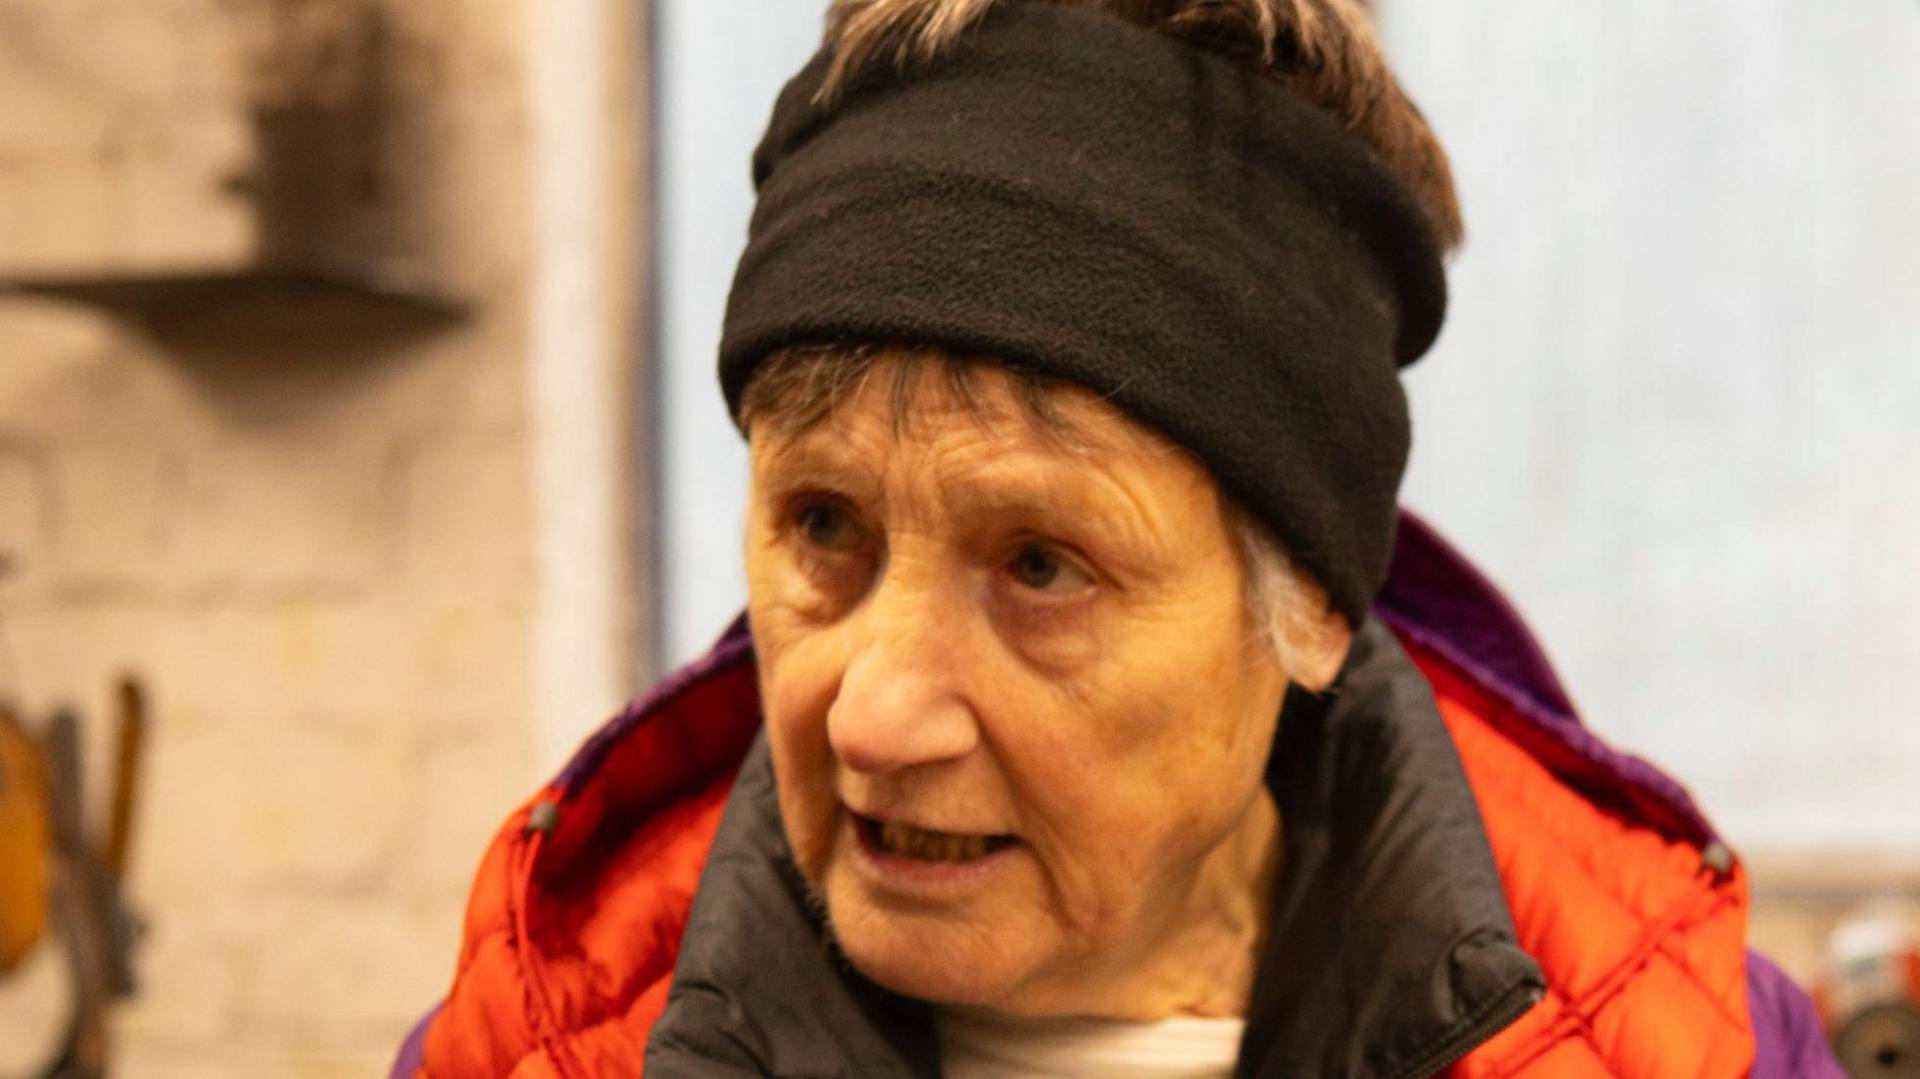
[(1200, 955)]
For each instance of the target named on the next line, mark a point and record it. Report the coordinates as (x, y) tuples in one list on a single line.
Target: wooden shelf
[(165, 293)]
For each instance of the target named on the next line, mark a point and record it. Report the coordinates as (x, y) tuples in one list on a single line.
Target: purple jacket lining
[(1788, 1042), (1436, 597), (733, 644), (413, 1052)]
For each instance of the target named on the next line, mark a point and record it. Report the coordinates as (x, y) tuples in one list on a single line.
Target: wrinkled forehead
[(975, 441)]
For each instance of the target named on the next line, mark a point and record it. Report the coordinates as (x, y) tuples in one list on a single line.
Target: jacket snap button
[(543, 817), (1717, 858)]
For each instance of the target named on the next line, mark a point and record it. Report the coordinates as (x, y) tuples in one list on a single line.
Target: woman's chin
[(928, 955)]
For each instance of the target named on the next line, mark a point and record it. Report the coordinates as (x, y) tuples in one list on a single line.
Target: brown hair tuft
[(1324, 50)]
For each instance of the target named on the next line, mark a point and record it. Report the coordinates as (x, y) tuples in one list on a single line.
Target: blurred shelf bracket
[(323, 192), (161, 292)]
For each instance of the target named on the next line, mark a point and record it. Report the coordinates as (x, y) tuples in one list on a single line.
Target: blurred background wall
[(317, 371), (720, 66), (1672, 407)]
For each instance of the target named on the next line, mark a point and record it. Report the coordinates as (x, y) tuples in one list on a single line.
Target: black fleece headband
[(1086, 199)]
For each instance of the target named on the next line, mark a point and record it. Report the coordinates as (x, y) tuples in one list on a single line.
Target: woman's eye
[(828, 528), (1044, 570)]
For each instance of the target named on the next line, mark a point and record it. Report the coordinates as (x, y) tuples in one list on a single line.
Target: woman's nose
[(900, 703)]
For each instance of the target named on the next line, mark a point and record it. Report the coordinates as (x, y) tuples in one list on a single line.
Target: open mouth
[(921, 844)]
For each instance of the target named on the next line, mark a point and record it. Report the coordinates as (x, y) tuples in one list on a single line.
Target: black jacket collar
[(1391, 952)]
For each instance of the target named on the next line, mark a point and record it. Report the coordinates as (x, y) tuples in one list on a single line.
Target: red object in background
[(1870, 997)]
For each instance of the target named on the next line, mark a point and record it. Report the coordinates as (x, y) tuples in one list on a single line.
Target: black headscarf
[(1086, 199)]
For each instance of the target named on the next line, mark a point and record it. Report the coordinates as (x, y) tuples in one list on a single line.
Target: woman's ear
[(1316, 643)]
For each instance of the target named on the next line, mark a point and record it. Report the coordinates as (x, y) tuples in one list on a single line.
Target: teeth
[(931, 846), (894, 838)]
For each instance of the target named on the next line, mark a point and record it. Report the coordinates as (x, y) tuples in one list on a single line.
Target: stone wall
[(306, 523)]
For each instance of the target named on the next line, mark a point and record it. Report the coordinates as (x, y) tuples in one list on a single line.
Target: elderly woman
[(1095, 712)]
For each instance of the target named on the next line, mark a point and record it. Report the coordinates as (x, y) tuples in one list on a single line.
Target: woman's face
[(1015, 701)]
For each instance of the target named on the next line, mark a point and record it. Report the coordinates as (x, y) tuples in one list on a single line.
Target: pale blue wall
[(720, 64), (1673, 409), (1675, 406)]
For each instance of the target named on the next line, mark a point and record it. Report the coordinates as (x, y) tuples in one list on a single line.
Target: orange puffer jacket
[(1634, 913), (1642, 937)]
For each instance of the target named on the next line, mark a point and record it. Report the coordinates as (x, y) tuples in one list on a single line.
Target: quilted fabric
[(572, 931), (1642, 945)]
